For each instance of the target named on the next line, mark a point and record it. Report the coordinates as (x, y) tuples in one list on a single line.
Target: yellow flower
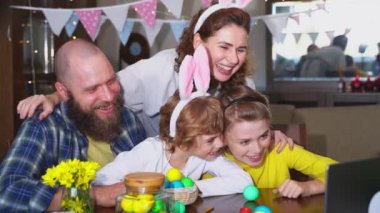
[(72, 173)]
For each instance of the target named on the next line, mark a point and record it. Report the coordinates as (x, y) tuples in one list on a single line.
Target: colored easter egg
[(173, 174), (250, 193), (142, 205), (158, 206), (262, 209), (251, 204), (179, 207), (245, 210), (187, 182), (127, 205), (176, 184), (145, 197), (166, 183)]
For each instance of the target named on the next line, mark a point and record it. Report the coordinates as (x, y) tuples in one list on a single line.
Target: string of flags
[(93, 18)]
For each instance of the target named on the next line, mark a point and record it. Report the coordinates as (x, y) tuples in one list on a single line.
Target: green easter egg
[(158, 206), (179, 207), (187, 182), (251, 193)]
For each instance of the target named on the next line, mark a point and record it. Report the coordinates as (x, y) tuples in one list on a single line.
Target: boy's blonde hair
[(241, 103), (201, 116)]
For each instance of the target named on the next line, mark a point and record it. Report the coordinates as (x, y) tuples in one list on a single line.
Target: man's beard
[(90, 124)]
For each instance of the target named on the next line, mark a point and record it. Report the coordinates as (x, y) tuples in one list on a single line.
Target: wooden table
[(233, 203)]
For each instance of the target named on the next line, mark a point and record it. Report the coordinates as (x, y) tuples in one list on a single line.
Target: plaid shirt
[(43, 144)]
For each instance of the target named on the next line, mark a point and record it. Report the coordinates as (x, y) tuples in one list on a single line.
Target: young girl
[(191, 127), (249, 144)]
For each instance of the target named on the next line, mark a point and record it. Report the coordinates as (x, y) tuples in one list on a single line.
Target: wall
[(108, 39)]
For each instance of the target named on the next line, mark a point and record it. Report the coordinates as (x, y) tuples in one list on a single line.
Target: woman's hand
[(27, 107), (280, 137)]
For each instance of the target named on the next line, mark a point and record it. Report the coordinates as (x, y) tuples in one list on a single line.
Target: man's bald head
[(75, 49)]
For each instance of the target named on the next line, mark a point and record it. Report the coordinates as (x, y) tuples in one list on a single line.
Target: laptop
[(351, 185)]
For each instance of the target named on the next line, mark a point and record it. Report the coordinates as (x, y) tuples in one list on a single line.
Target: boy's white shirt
[(148, 156)]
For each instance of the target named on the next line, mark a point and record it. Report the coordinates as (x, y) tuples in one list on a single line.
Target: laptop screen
[(351, 185)]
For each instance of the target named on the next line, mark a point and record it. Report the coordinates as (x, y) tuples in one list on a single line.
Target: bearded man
[(90, 124)]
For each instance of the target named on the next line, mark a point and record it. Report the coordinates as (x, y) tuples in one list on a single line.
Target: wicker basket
[(184, 195)]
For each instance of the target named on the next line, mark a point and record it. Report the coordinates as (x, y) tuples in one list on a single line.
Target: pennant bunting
[(57, 19), (177, 28), (174, 7), (297, 37), (117, 16), (126, 32), (101, 22), (71, 25), (275, 25), (147, 12), (90, 20), (330, 34), (296, 18), (313, 36), (151, 33), (206, 3)]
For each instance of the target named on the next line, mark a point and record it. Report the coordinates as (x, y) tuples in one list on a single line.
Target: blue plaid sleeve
[(21, 189)]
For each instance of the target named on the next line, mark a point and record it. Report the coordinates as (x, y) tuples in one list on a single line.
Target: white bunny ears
[(194, 69), (221, 5)]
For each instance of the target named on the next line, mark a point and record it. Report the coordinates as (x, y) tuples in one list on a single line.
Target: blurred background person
[(309, 50), (326, 59)]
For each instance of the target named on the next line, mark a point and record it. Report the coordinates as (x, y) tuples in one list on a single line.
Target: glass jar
[(144, 194)]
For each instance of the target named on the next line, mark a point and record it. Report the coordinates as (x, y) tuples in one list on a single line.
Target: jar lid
[(142, 182)]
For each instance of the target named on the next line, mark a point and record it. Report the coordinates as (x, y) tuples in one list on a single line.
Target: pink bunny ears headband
[(194, 69), (221, 5)]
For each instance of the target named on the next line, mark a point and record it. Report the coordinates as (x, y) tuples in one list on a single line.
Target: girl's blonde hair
[(241, 103), (201, 116)]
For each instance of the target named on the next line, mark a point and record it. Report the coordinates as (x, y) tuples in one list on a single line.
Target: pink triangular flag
[(295, 17), (90, 20), (147, 11)]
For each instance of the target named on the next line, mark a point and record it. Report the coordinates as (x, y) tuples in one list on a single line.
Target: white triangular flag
[(275, 25), (57, 19), (151, 33), (117, 15), (174, 6), (330, 34)]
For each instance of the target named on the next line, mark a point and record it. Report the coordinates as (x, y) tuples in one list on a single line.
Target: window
[(317, 22)]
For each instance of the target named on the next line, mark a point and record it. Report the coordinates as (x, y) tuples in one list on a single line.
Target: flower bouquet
[(75, 176)]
